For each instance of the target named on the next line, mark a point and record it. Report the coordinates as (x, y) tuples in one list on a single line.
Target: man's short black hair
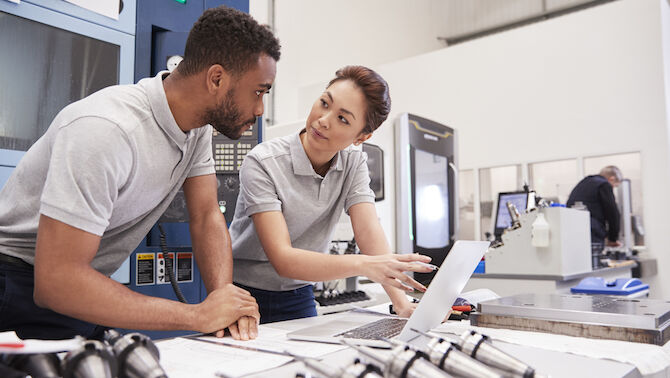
[(228, 37)]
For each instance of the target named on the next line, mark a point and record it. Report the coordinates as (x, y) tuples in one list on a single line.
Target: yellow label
[(417, 126), (145, 256)]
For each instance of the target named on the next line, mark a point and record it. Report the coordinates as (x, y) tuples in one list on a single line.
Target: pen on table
[(431, 266), (409, 287), (405, 285)]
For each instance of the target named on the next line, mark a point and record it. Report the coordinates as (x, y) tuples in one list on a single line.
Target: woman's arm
[(371, 240), (315, 266)]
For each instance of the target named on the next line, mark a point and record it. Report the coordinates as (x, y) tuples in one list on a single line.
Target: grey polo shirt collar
[(162, 113), (301, 164)]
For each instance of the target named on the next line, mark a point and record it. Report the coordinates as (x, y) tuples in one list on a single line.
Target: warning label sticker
[(164, 264), (185, 267), (145, 269)]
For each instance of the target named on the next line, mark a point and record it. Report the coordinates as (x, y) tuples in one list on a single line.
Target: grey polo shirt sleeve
[(257, 188), (359, 191), (203, 162), (91, 160)]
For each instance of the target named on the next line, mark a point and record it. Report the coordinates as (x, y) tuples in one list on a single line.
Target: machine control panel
[(228, 157)]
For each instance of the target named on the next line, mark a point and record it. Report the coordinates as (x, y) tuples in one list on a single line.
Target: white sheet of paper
[(108, 8), (9, 337), (12, 344), (183, 357), (275, 340)]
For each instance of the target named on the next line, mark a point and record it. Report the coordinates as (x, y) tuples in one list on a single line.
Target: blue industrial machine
[(426, 189)]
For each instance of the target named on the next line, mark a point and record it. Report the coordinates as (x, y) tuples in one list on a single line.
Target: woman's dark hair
[(374, 88), (227, 37)]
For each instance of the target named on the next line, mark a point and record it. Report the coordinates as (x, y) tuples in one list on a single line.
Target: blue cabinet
[(165, 24)]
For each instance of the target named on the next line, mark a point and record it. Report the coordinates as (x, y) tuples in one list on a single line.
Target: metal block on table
[(592, 316)]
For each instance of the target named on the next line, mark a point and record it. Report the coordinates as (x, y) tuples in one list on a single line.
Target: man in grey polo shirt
[(89, 190)]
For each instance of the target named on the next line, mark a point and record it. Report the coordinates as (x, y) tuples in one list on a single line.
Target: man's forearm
[(83, 293), (213, 251)]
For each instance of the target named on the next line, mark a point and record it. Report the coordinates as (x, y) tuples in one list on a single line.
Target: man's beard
[(226, 118)]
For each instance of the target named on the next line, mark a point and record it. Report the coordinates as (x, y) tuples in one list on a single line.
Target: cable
[(170, 272)]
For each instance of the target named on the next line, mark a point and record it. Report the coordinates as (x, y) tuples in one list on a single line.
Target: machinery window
[(554, 180), (46, 69), (466, 205)]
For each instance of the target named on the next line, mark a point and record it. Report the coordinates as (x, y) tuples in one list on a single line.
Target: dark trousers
[(276, 306), (19, 313)]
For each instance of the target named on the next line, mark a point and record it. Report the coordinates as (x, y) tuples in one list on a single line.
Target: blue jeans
[(19, 313), (276, 306)]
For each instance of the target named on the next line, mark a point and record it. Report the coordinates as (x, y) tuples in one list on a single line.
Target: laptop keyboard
[(386, 327)]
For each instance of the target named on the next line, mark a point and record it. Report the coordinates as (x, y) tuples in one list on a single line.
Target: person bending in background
[(596, 192), (292, 190), (89, 190)]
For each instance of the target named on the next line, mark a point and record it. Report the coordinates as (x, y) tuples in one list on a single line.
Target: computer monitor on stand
[(520, 200)]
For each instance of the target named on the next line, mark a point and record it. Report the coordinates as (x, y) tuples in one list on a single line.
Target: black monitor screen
[(503, 220), (375, 169)]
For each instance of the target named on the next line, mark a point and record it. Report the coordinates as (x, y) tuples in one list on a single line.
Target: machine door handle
[(455, 195)]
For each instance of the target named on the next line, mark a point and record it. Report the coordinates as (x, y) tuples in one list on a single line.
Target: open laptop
[(435, 304)]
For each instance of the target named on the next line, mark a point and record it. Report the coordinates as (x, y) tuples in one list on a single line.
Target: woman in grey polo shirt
[(291, 194)]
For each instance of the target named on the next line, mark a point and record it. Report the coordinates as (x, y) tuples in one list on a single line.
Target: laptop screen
[(445, 287)]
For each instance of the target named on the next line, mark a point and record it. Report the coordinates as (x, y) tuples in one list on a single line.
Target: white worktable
[(555, 364), (549, 362)]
